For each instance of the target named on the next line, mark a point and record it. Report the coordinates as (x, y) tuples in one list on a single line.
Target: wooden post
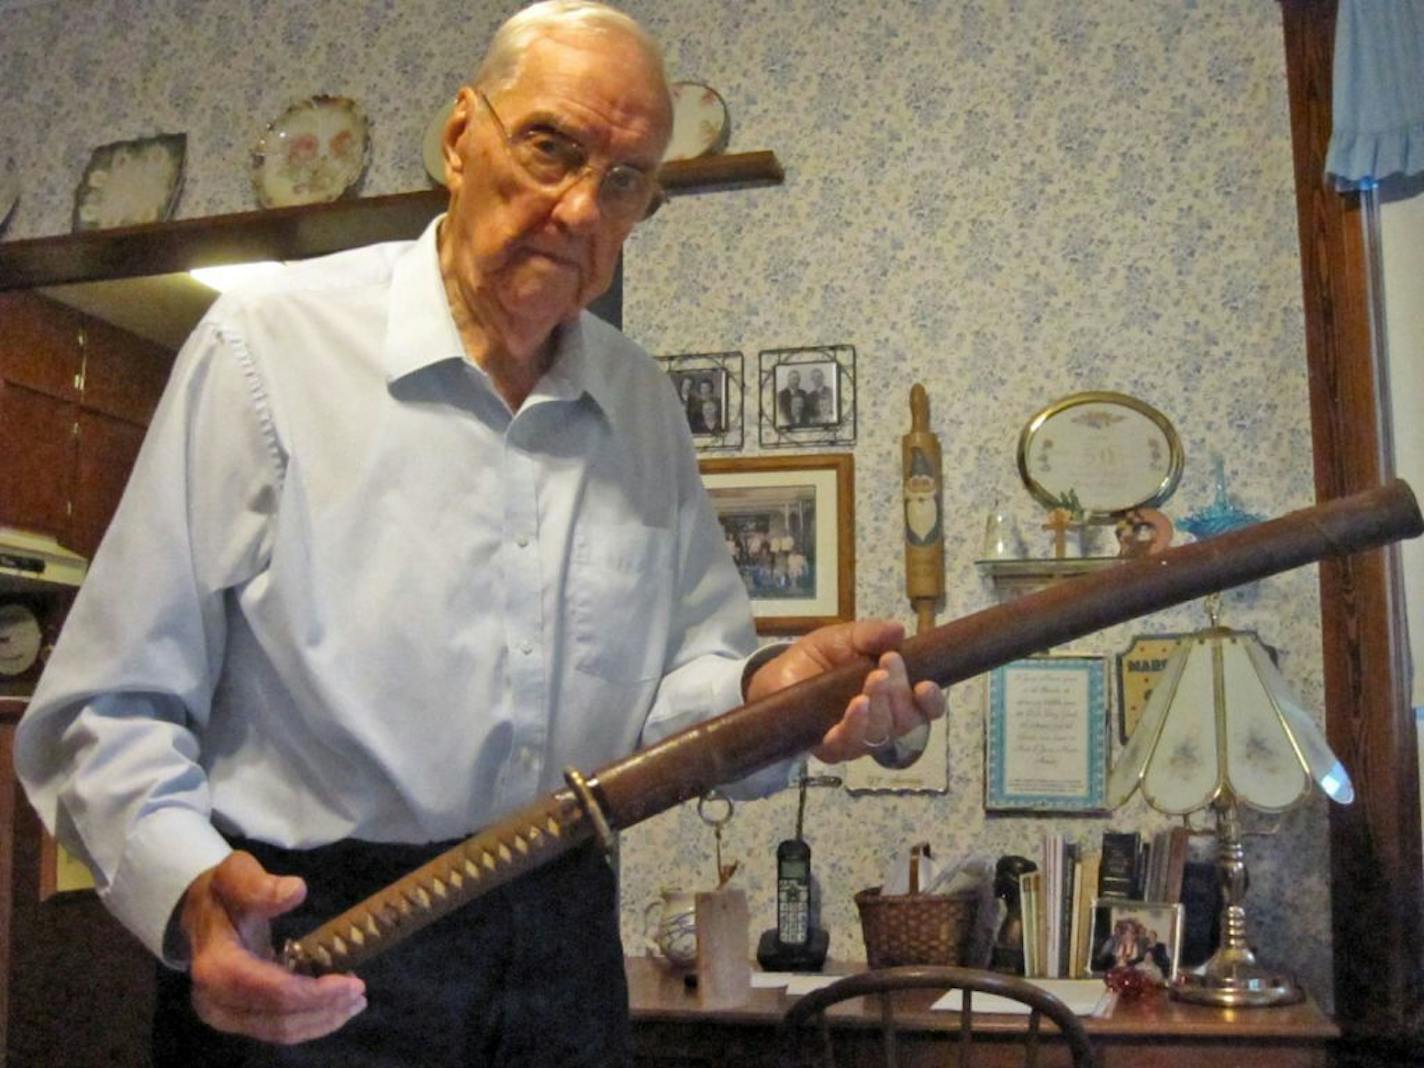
[(724, 970)]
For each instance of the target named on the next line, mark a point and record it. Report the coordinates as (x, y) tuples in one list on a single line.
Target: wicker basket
[(915, 928)]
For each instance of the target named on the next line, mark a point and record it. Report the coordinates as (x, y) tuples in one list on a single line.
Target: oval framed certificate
[(1107, 452)]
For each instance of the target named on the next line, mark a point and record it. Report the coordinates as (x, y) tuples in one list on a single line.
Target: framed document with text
[(1046, 736)]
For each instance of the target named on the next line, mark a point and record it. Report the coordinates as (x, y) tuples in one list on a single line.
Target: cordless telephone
[(793, 892), (793, 945)]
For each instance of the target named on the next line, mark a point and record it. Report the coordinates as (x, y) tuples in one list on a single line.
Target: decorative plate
[(313, 152), (700, 125), (1101, 453), (128, 183), (432, 148)]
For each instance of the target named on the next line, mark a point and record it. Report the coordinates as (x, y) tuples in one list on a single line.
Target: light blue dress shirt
[(348, 594)]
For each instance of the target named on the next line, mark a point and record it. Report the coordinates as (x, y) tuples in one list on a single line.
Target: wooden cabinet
[(75, 396)]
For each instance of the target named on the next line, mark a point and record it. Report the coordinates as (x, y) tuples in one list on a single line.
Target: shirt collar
[(576, 368), (420, 332)]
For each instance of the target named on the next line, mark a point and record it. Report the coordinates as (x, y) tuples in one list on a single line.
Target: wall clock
[(21, 638)]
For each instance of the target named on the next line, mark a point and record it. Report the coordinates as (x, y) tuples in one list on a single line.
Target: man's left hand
[(887, 705)]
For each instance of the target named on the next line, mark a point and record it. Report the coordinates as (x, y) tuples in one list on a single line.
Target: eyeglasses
[(556, 162)]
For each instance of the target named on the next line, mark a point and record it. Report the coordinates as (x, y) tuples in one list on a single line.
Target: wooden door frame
[(1376, 868)]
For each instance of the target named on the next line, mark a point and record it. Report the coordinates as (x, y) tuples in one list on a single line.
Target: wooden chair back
[(883, 983)]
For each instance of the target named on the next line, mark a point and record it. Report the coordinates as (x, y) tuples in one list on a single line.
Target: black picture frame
[(710, 385), (808, 396)]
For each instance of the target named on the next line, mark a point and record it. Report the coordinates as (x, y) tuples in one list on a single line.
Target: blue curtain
[(1379, 91)]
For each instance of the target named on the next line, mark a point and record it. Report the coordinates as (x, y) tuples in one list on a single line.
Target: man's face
[(515, 249), (793, 380), (817, 380)]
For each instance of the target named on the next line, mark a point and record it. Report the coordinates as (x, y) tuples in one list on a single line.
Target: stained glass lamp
[(1222, 730)]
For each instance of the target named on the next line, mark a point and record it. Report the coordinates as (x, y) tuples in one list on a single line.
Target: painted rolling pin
[(924, 526), (754, 736)]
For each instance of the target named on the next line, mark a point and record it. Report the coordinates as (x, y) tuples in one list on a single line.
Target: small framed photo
[(789, 524), (807, 396), (1046, 738), (709, 385), (1140, 934)]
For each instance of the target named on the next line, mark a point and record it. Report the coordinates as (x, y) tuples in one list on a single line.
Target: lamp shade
[(1221, 720)]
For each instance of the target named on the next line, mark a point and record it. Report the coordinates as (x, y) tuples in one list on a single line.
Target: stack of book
[(1057, 905), (1058, 898)]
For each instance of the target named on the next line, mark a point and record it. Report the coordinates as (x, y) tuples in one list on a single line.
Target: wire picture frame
[(709, 384), (807, 396)]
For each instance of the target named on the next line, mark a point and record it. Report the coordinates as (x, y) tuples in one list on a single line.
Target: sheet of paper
[(771, 980), (1081, 995), (804, 984)]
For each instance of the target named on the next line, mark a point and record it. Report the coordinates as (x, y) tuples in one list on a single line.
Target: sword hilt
[(528, 839)]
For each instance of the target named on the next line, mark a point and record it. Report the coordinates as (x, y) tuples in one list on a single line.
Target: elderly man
[(410, 533), (791, 400)]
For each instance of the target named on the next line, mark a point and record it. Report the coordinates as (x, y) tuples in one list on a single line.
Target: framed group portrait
[(709, 385), (789, 525), (807, 396)]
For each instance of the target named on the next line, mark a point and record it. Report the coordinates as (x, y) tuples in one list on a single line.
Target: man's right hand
[(237, 985)]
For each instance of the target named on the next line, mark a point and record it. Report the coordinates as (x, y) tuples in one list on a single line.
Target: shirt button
[(526, 647), (522, 541)]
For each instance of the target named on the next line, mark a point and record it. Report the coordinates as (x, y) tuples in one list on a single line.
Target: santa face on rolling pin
[(921, 502)]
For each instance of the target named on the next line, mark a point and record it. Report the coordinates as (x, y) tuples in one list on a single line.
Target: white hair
[(506, 49)]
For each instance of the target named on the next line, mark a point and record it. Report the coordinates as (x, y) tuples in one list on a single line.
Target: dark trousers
[(527, 976)]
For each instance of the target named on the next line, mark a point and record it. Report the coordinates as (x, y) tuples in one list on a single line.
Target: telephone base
[(775, 955)]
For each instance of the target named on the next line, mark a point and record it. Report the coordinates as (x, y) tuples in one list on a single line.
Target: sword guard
[(591, 808)]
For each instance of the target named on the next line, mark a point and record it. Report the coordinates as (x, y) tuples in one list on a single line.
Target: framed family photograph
[(1046, 736), (789, 524), (709, 385), (1140, 934), (807, 396)]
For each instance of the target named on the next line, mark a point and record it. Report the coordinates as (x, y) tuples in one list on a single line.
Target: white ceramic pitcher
[(670, 927)]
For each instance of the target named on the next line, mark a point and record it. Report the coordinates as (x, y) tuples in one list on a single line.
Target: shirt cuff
[(165, 852), (754, 663), (777, 776)]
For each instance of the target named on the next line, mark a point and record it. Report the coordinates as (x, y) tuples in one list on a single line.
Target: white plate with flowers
[(700, 124), (315, 151)]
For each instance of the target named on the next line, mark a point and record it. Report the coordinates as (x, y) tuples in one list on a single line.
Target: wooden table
[(672, 1030)]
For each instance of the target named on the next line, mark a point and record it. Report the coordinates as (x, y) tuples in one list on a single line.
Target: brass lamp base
[(1232, 977), (1236, 984)]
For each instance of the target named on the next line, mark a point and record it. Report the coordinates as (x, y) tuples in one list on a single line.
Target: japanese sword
[(793, 720)]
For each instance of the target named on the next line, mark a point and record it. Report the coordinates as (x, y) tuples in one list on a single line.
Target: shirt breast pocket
[(621, 601)]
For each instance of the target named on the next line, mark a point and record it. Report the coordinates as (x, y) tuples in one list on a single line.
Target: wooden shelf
[(291, 233), (1032, 573)]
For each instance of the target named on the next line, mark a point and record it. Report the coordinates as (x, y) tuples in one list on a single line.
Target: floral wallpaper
[(1005, 200)]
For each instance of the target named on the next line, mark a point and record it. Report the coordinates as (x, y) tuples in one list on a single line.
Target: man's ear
[(455, 128)]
